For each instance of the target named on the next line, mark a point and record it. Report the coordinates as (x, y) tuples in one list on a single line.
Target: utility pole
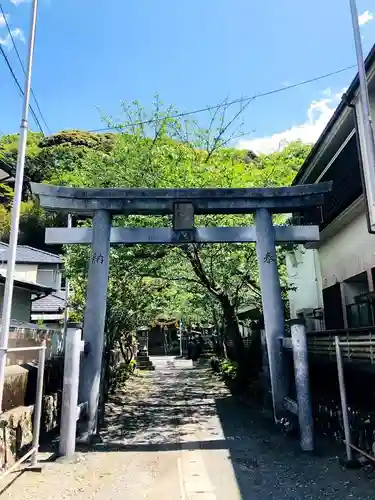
[(366, 134), (16, 208), (180, 338)]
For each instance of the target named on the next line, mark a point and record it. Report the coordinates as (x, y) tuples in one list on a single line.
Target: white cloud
[(17, 34), (3, 19), (365, 18), (318, 115), (18, 2)]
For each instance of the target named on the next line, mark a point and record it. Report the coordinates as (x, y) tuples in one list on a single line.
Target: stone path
[(176, 434)]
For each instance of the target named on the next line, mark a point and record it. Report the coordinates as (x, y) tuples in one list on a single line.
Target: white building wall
[(26, 272), (349, 252), (304, 274)]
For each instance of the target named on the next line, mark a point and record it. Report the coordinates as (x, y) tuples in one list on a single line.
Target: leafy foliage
[(45, 156), (200, 283), (119, 375)]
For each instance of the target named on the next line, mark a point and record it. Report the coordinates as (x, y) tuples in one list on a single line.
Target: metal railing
[(357, 344), (33, 452), (339, 346), (343, 345)]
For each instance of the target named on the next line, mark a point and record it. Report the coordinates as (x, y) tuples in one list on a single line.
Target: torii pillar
[(273, 308), (94, 319)]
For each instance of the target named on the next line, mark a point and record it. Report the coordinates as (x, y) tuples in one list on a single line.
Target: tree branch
[(169, 278), (224, 127)]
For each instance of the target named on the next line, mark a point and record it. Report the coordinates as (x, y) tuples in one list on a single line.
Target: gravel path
[(177, 434)]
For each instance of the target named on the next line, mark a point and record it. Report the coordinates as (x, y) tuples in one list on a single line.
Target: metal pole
[(273, 308), (365, 116), (344, 404), (301, 371), (16, 208), (94, 321), (68, 426), (38, 402), (181, 338), (66, 311)]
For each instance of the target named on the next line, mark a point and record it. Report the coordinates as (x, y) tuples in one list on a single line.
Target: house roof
[(53, 303), (347, 97), (29, 255), (7, 172), (20, 326), (29, 285)]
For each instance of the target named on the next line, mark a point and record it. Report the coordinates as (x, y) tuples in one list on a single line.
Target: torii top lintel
[(143, 201)]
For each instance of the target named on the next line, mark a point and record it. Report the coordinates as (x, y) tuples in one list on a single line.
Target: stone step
[(143, 358), (144, 364), (148, 366)]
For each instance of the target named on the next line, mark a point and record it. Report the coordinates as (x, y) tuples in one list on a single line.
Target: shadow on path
[(179, 408)]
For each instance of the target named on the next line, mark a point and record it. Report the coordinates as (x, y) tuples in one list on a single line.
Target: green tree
[(45, 156), (173, 153)]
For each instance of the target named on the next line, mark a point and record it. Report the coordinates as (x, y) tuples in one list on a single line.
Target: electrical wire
[(239, 100), (2, 52), (22, 65)]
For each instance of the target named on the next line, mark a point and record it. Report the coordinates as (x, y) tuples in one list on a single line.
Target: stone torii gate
[(183, 204)]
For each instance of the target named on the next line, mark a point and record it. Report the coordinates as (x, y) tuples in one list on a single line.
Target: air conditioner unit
[(305, 312), (312, 318), (319, 313)]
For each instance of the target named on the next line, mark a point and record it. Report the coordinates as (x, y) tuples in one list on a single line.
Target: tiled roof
[(18, 326), (28, 255), (50, 304)]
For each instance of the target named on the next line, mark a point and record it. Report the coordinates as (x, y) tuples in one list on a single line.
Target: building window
[(358, 302), (333, 310), (62, 281), (360, 314), (46, 277)]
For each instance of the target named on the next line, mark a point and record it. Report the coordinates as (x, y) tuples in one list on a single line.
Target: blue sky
[(93, 54)]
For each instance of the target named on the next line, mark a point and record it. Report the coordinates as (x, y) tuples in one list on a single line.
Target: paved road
[(176, 434)]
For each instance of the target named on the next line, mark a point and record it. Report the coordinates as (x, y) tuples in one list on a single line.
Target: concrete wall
[(21, 305), (349, 252), (304, 274), (16, 428)]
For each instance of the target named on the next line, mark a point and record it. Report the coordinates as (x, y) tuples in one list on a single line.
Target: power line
[(239, 100), (22, 65), (19, 86)]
